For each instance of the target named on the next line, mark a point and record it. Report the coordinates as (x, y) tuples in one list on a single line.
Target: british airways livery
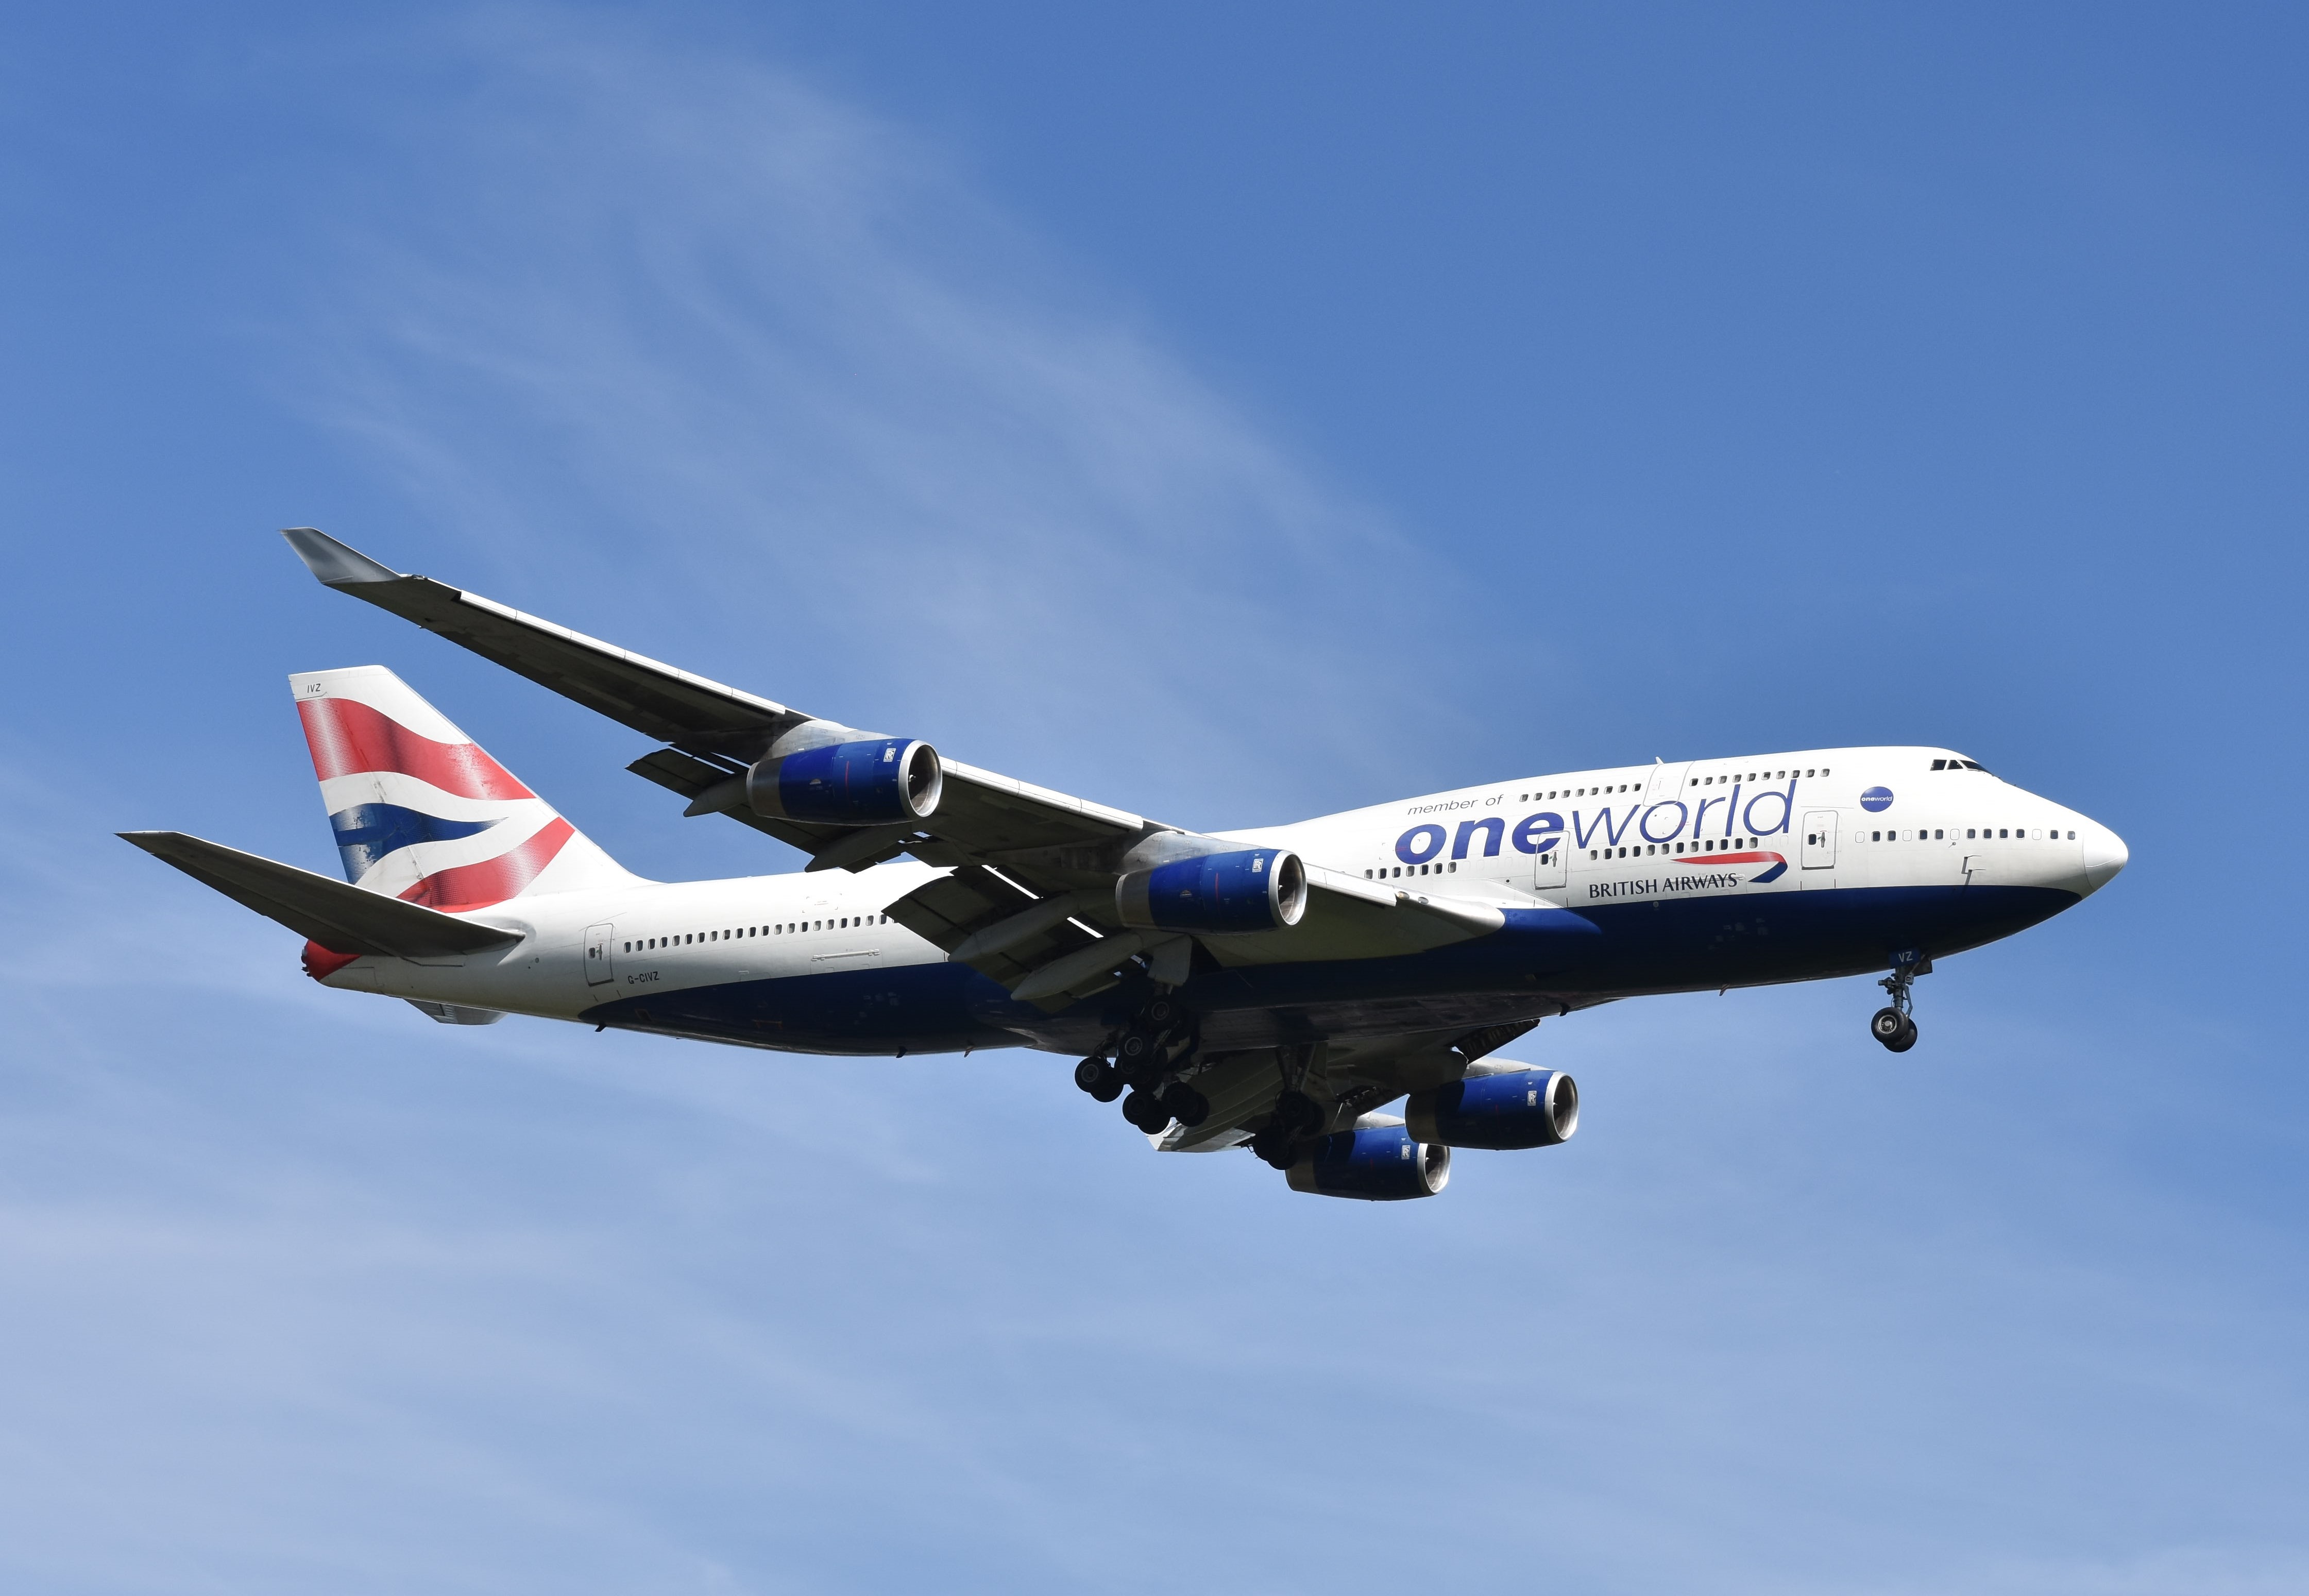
[(1274, 989)]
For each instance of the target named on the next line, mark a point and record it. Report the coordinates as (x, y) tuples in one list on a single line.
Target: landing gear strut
[(1891, 1024), (1296, 1116)]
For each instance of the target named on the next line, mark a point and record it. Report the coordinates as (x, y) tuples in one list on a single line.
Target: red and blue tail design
[(422, 811)]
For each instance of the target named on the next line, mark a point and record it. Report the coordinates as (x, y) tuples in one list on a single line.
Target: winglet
[(334, 563)]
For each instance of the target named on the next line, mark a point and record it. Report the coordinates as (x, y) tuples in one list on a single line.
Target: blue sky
[(1234, 416)]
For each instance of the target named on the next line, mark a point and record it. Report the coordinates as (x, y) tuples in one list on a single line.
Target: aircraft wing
[(1354, 1076), (715, 731)]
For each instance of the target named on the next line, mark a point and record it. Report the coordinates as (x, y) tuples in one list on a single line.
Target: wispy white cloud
[(702, 352)]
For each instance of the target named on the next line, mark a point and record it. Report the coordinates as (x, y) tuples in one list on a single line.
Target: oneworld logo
[(1876, 800)]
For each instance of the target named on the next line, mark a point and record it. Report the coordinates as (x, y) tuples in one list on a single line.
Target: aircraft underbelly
[(1634, 948)]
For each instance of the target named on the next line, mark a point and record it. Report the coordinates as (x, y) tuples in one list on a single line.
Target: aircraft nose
[(2104, 855)]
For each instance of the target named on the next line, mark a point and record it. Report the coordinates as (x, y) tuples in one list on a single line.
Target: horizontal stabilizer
[(340, 918)]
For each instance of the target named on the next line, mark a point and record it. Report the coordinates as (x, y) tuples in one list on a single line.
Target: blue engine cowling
[(1252, 889), (883, 780), (1520, 1108), (1382, 1164)]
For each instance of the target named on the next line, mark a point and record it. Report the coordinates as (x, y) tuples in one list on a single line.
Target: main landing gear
[(1892, 1024), (1155, 1048), (1296, 1117)]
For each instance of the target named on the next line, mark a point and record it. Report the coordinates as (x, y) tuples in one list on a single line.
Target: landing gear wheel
[(1297, 1113), (1142, 1110), (1160, 1013), (1090, 1074), (1273, 1145), (1891, 1024), (1137, 1047), (1894, 1029), (1189, 1107), (1110, 1086)]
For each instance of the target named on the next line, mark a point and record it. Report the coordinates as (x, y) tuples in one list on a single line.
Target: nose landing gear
[(1892, 1024)]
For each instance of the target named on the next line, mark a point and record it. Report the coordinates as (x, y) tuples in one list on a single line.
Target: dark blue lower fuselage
[(1542, 961)]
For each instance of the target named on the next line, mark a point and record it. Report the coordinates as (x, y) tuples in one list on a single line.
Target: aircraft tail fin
[(421, 812)]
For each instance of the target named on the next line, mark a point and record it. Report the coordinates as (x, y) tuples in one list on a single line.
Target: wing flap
[(340, 918), (948, 911)]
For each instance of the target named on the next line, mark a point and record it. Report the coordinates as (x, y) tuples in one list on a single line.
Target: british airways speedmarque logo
[(1876, 800), (1777, 864)]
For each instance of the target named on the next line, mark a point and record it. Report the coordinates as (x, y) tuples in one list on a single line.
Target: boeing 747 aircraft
[(1272, 987)]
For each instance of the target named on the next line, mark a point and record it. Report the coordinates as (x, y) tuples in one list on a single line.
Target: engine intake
[(1253, 889), (1379, 1164), (880, 781), (1511, 1108)]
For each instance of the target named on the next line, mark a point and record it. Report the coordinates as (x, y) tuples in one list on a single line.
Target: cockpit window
[(1957, 765)]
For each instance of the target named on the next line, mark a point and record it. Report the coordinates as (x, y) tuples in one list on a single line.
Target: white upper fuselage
[(1844, 819)]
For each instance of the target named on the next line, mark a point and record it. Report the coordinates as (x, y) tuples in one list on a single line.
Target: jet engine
[(1378, 1163), (1507, 1109), (880, 781), (1251, 889)]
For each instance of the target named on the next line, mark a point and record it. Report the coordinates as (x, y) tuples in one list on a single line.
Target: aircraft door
[(1666, 786), (1818, 839), (1547, 869), (599, 970), (1666, 782)]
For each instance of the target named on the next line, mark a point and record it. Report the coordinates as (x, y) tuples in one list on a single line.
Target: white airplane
[(1274, 987)]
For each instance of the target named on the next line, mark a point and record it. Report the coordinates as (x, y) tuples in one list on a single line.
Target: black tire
[(1161, 1014), (1273, 1146), (1908, 1037), (1189, 1107), (1297, 1113), (1886, 1025), (1090, 1074), (1110, 1086), (1141, 1109), (1137, 1047)]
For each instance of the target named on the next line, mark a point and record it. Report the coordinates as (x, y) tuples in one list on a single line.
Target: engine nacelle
[(1250, 889), (880, 781), (1378, 1163), (1510, 1108)]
